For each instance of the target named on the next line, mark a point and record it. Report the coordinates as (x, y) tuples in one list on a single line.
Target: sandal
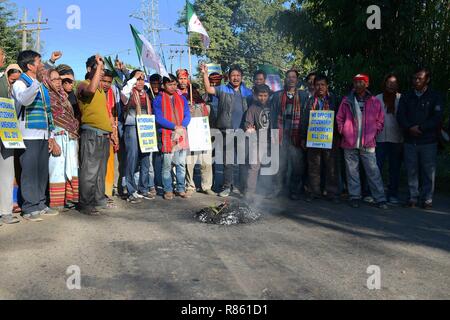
[(111, 205)]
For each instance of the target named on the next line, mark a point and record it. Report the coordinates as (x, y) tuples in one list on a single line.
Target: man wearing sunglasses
[(68, 83)]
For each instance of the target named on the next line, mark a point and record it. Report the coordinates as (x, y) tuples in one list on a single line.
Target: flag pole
[(190, 69)]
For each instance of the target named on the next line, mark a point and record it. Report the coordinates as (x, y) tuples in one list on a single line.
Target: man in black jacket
[(420, 115)]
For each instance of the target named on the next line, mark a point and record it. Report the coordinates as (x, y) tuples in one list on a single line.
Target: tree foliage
[(334, 35), (241, 33), (9, 38)]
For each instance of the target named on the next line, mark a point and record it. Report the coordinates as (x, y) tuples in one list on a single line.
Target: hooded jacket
[(372, 122)]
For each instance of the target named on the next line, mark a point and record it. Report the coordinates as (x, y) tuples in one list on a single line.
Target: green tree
[(333, 35), (9, 38), (241, 33)]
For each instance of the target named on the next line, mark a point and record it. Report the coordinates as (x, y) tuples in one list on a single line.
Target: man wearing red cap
[(183, 83), (360, 119)]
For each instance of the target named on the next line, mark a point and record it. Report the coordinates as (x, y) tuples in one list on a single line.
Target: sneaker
[(134, 199), (90, 212), (137, 195), (70, 206), (209, 192), (368, 199), (33, 217), (9, 219), (236, 191), (153, 192), (382, 205), (428, 205), (148, 196), (394, 201), (354, 204), (49, 212), (168, 196), (225, 193)]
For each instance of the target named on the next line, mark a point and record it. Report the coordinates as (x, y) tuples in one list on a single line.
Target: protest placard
[(10, 133), (147, 133), (320, 129), (199, 134)]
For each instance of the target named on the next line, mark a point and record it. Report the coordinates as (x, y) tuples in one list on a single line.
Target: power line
[(24, 30)]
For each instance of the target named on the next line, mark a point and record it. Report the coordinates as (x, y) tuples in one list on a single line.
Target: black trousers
[(94, 154), (34, 176), (319, 159)]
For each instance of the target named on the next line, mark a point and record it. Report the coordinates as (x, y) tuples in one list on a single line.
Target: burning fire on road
[(228, 213)]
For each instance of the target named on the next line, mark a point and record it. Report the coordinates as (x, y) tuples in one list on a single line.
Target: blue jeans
[(421, 159), (353, 157), (177, 158), (392, 152), (136, 160)]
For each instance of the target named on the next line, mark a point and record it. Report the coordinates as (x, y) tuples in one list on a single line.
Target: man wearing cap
[(360, 119)]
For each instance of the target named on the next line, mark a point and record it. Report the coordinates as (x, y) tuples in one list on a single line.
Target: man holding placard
[(198, 131), (137, 110), (320, 140)]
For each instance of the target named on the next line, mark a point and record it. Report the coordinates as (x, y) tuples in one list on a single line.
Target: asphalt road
[(156, 250)]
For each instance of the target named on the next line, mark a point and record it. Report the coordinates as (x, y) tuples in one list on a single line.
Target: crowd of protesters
[(82, 144)]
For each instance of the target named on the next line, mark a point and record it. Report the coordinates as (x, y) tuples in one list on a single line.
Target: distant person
[(420, 114), (390, 140)]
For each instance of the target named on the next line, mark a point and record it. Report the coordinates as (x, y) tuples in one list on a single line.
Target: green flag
[(146, 54), (194, 24)]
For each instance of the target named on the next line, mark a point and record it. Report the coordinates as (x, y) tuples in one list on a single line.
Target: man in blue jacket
[(172, 117), (233, 103)]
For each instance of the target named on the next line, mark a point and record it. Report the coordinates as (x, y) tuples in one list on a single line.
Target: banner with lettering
[(147, 133), (10, 133), (320, 129)]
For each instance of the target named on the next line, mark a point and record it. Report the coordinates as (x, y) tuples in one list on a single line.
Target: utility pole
[(23, 25), (24, 34)]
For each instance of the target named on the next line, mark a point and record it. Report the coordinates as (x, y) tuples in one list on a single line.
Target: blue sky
[(104, 29)]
